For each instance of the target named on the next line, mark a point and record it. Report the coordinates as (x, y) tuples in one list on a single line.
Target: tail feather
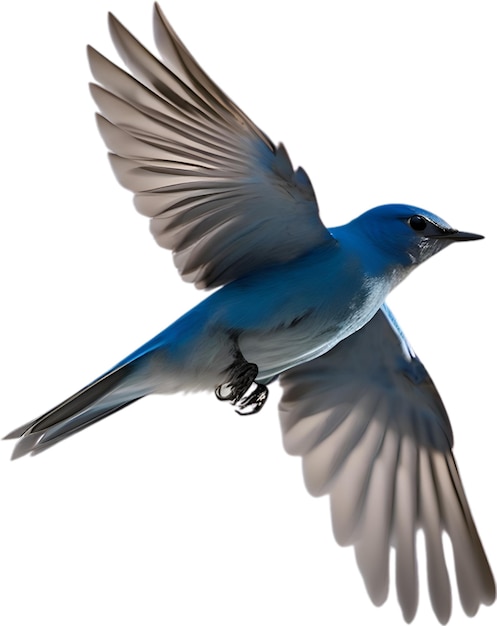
[(106, 395)]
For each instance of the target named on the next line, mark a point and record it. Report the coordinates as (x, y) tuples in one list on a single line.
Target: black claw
[(253, 402), (241, 376)]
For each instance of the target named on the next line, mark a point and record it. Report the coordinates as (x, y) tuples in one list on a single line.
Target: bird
[(292, 302)]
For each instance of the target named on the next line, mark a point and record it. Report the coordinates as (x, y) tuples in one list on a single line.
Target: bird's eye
[(416, 222)]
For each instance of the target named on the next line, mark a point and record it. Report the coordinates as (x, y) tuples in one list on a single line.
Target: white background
[(177, 510)]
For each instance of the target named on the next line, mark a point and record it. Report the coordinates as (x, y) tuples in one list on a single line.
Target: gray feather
[(204, 174), (374, 435)]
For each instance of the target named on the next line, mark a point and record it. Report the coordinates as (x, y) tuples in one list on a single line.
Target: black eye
[(416, 222)]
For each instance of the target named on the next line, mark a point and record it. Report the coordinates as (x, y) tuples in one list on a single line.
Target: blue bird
[(294, 301)]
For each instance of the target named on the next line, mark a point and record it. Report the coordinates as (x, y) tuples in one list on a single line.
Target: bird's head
[(408, 235)]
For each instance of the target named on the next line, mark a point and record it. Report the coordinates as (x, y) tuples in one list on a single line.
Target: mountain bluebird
[(295, 300)]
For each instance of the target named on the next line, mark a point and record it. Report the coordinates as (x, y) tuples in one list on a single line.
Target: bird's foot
[(253, 401), (242, 375)]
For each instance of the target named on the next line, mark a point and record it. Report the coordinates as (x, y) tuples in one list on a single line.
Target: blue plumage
[(294, 300)]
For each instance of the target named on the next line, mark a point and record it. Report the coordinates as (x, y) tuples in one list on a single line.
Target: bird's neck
[(375, 263)]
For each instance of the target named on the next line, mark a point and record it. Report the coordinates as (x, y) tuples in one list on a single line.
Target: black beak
[(462, 236)]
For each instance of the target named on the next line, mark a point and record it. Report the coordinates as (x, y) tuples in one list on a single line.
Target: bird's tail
[(111, 392)]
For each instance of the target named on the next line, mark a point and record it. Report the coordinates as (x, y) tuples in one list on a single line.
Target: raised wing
[(374, 434), (219, 194)]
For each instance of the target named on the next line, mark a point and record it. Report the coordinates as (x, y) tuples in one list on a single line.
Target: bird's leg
[(241, 376)]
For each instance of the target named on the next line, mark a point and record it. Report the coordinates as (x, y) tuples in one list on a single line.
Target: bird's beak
[(462, 236), (457, 235)]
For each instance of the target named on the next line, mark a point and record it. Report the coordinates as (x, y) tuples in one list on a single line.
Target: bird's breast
[(310, 321)]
